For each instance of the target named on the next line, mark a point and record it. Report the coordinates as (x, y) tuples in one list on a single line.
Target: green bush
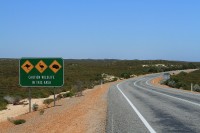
[(35, 107), (18, 122), (69, 94), (3, 105), (15, 100), (126, 75), (41, 111), (59, 96), (196, 88), (48, 101)]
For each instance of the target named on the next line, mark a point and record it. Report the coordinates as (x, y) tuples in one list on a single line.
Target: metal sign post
[(54, 96), (29, 99)]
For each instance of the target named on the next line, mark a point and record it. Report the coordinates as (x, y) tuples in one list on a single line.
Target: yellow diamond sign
[(41, 66), (55, 66), (27, 66)]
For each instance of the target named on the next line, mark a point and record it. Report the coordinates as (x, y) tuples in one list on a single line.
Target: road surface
[(136, 106)]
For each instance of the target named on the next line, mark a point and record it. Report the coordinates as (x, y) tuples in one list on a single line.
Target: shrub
[(3, 105), (9, 99), (69, 94), (126, 75), (115, 79), (12, 100), (17, 100), (59, 96), (171, 83), (196, 88), (18, 122), (35, 107), (41, 111), (179, 85), (48, 101)]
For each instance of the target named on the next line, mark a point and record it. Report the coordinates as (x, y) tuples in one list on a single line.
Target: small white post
[(191, 87)]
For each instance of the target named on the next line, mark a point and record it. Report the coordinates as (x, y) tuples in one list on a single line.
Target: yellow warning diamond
[(55, 66), (41, 66), (27, 66)]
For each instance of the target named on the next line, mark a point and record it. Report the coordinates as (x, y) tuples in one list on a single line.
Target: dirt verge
[(85, 114)]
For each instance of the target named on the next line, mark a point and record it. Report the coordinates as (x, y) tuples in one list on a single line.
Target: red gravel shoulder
[(85, 114)]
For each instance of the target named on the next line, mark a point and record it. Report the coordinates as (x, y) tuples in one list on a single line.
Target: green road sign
[(41, 72)]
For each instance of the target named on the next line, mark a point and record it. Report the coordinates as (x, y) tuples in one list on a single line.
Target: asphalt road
[(136, 106)]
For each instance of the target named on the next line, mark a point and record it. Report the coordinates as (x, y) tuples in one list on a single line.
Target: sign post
[(54, 96), (29, 98), (41, 72)]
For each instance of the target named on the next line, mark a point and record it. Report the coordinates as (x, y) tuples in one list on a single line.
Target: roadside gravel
[(85, 114)]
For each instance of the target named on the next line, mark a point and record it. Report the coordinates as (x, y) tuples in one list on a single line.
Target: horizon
[(105, 59), (128, 30)]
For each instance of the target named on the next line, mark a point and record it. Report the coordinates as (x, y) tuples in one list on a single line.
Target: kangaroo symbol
[(27, 66)]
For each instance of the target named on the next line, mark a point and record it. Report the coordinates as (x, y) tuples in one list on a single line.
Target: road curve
[(137, 106)]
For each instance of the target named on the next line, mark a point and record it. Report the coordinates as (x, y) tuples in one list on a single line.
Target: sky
[(101, 29)]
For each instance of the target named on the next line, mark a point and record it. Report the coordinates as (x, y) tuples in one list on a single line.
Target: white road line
[(166, 94), (151, 130)]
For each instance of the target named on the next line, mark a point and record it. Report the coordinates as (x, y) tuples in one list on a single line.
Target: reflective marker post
[(191, 87)]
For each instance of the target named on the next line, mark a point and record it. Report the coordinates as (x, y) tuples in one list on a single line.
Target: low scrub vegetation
[(47, 102), (35, 107), (68, 94), (59, 96), (184, 81), (80, 74), (41, 111), (17, 122), (15, 100)]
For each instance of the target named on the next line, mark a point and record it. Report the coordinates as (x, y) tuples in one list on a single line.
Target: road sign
[(41, 72)]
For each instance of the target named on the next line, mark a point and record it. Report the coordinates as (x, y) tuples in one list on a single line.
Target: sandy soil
[(14, 111), (157, 81), (85, 114)]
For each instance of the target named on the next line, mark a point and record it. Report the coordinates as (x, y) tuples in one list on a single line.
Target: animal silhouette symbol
[(55, 66), (27, 66), (41, 66)]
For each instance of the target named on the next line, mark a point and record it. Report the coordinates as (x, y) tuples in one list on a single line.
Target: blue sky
[(98, 29)]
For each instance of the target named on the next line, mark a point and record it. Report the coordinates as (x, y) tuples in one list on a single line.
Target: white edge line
[(166, 94), (151, 130), (174, 97)]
